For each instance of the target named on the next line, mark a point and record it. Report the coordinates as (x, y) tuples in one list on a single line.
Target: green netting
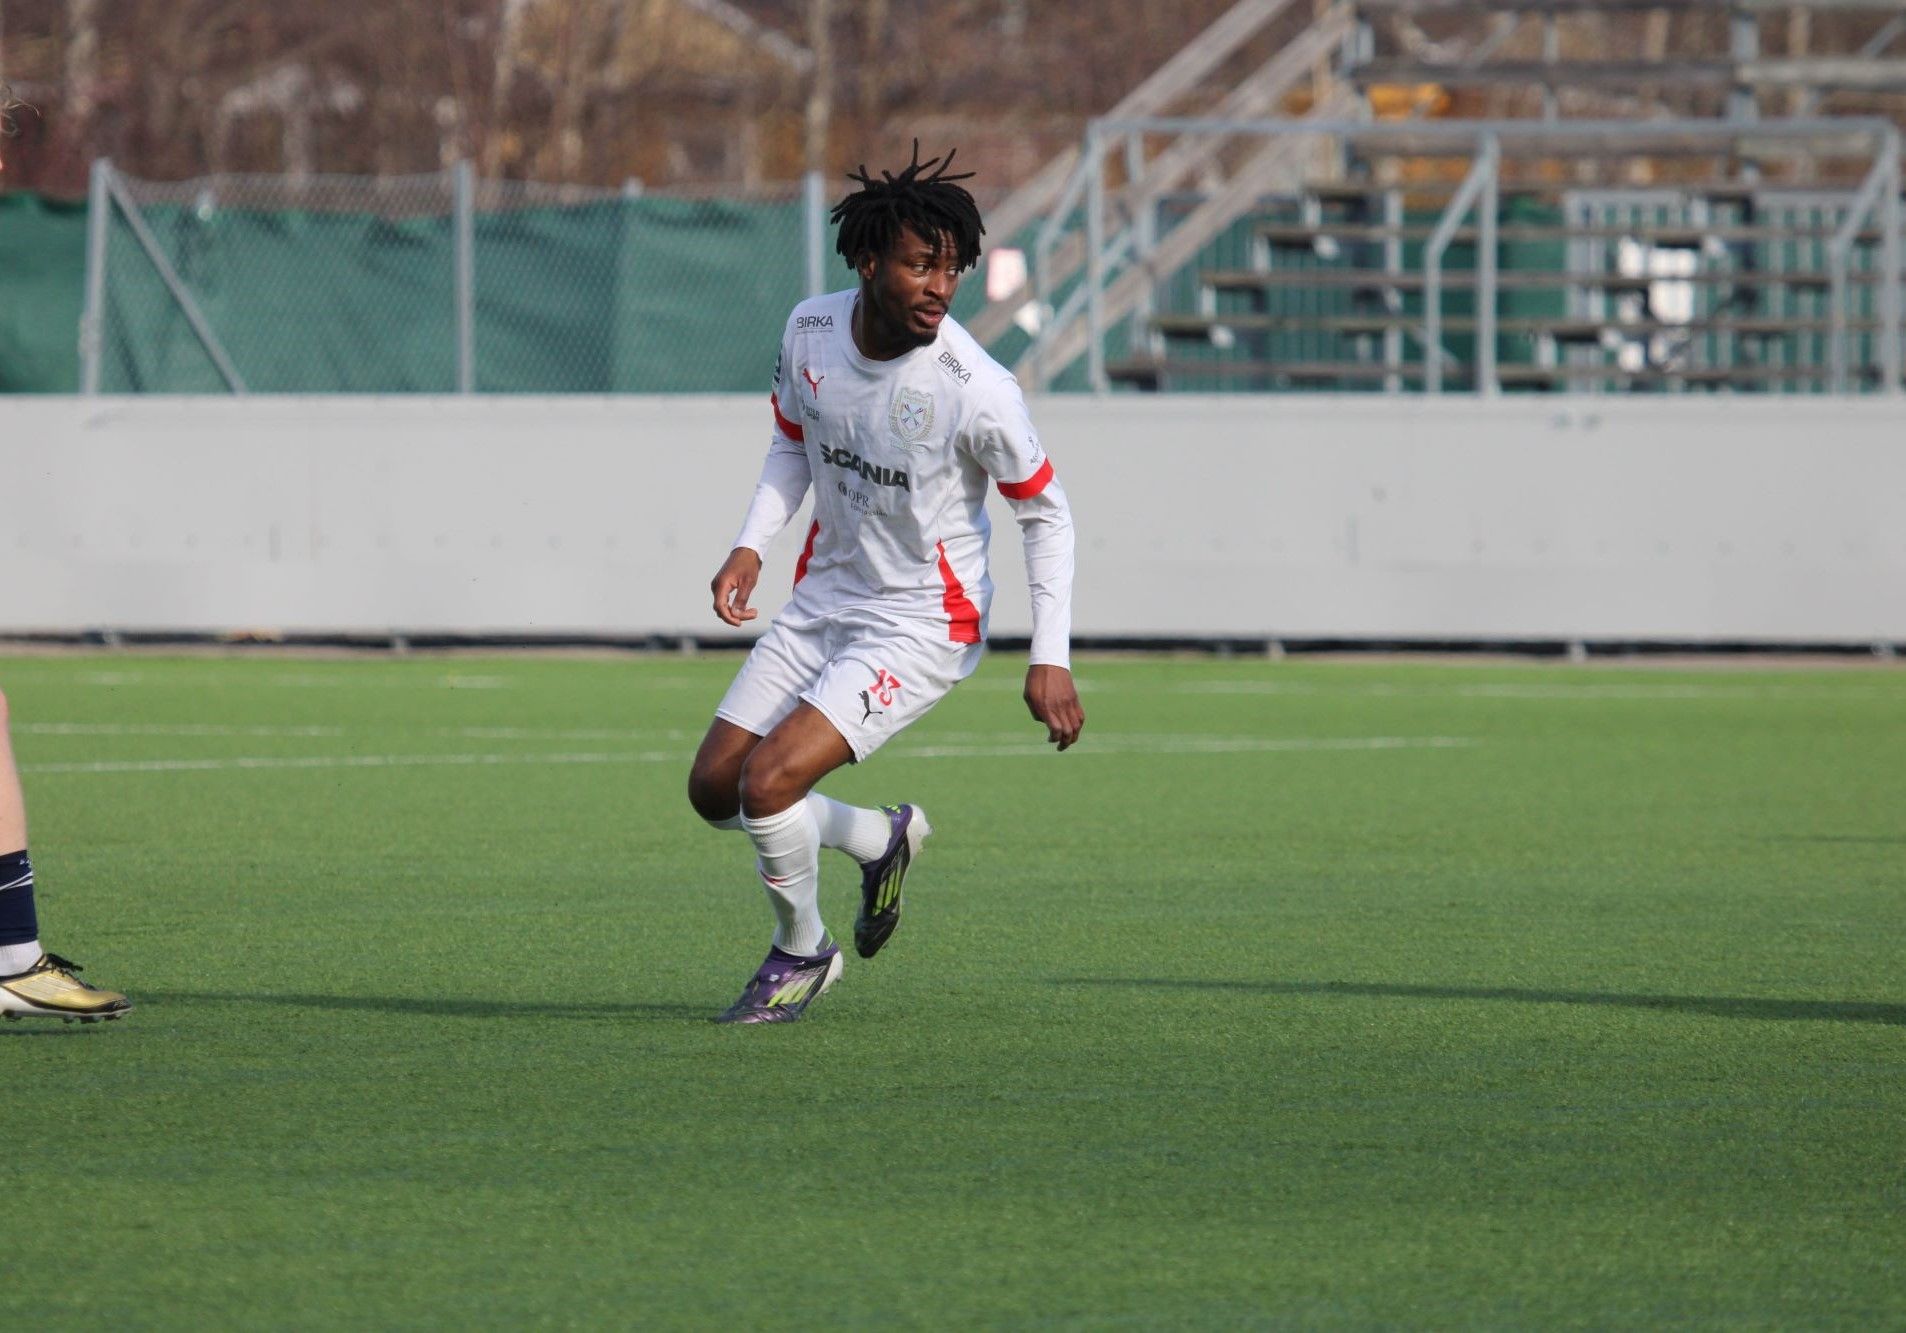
[(42, 287), (614, 295), (703, 288), (618, 296)]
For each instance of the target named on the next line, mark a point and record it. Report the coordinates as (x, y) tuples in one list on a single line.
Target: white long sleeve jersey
[(899, 454)]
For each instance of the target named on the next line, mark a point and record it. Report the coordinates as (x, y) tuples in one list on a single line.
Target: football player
[(898, 421)]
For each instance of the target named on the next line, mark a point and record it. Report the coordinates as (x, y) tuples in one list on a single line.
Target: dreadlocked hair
[(922, 196)]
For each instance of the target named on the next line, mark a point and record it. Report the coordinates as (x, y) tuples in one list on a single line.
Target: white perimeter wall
[(1240, 516)]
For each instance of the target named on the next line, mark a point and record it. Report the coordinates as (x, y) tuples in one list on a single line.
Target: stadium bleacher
[(1687, 196)]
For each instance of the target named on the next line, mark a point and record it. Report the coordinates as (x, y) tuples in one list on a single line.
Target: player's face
[(908, 291)]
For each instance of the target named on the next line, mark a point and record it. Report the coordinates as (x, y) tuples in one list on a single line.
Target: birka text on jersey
[(853, 462), (953, 367)]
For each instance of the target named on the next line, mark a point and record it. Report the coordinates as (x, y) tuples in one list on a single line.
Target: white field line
[(349, 761), (1128, 745), (306, 680), (366, 680), (569, 733), (1017, 684), (163, 729), (1111, 745), (1584, 692), (461, 733), (1013, 685), (358, 677)]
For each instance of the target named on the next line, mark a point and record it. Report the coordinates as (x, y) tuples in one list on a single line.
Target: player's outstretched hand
[(734, 585), (1054, 700)]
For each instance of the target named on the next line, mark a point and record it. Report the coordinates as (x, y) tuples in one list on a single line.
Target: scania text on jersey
[(873, 472)]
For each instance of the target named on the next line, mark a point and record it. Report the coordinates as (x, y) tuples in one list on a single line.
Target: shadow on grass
[(442, 1008), (1718, 1006)]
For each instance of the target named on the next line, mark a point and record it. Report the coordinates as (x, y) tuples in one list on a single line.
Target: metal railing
[(1114, 250)]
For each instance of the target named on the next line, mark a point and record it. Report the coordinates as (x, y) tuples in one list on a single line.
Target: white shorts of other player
[(868, 674)]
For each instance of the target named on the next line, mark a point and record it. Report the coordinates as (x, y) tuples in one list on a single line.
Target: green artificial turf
[(1300, 994)]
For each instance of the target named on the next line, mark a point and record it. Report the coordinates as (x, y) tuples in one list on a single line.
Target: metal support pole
[(1392, 266), (92, 319), (1836, 321), (1144, 239), (1481, 173), (1551, 53), (1486, 279), (1141, 220), (815, 211), (463, 181), (1889, 311), (168, 275), (1744, 46), (1042, 284), (1095, 262), (1882, 178)]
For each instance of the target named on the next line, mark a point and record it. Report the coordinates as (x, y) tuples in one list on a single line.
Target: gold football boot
[(49, 989)]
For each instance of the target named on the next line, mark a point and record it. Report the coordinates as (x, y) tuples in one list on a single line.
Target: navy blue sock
[(18, 924)]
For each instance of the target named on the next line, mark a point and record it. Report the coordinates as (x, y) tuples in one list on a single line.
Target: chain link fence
[(438, 284)]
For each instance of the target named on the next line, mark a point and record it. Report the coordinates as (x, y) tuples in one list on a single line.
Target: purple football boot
[(784, 986), (882, 879)]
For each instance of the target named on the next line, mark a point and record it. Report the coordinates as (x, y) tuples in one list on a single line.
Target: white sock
[(789, 850), (19, 957), (859, 832)]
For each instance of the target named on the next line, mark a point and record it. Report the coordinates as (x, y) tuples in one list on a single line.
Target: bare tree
[(82, 67), (497, 143), (872, 64), (820, 95)]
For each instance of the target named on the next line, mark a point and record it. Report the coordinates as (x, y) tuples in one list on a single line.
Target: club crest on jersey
[(911, 415)]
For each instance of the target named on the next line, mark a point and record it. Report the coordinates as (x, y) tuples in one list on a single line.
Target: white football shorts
[(870, 675)]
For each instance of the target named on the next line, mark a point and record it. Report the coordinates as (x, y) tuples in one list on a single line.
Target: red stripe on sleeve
[(961, 615), (807, 552), (793, 431), (1031, 486)]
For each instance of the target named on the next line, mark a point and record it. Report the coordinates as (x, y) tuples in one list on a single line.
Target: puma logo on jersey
[(812, 383), (873, 472)]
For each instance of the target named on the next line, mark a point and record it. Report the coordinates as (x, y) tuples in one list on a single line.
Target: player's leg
[(19, 926), (878, 684), (779, 773), (765, 692), (33, 983), (839, 717), (714, 780), (776, 781)]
